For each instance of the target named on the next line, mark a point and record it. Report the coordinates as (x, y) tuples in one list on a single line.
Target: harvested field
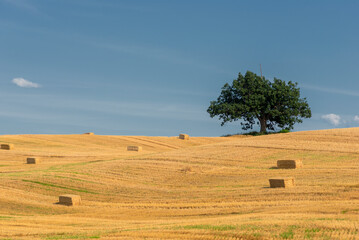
[(205, 188)]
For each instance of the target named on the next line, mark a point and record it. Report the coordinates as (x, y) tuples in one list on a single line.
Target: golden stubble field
[(202, 188)]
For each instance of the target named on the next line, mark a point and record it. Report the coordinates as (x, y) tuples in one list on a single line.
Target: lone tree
[(252, 98)]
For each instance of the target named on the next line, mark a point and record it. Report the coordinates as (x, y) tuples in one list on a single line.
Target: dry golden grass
[(203, 188)]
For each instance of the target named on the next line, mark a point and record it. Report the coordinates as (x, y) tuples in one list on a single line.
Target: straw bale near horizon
[(289, 164), (7, 146), (32, 160), (184, 136), (134, 148), (70, 200), (89, 133), (282, 182)]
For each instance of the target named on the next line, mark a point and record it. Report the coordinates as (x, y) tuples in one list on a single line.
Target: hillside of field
[(202, 188)]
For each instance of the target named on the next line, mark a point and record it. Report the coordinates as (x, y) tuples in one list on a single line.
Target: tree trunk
[(263, 123)]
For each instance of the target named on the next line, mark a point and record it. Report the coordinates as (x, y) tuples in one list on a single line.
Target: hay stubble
[(206, 188)]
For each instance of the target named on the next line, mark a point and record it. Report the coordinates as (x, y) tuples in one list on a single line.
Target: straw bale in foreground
[(70, 200), (282, 182), (7, 146), (32, 160), (289, 164)]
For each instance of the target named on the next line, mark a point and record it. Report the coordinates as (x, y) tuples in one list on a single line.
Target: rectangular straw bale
[(134, 148), (70, 200), (89, 133), (184, 136), (7, 146), (32, 160), (281, 182), (289, 164)]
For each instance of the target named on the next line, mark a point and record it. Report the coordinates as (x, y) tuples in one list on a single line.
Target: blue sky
[(152, 67)]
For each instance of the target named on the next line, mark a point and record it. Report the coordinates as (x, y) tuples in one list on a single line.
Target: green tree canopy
[(254, 99)]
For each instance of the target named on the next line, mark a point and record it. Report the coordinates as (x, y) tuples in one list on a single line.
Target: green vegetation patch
[(250, 227), (70, 178), (310, 233), (82, 163), (70, 165), (5, 217), (16, 174), (345, 211), (247, 167), (330, 219), (210, 227), (289, 234), (56, 186), (72, 237)]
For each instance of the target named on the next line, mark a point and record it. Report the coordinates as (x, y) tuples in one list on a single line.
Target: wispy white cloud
[(114, 5), (21, 82), (143, 109), (332, 118), (331, 90), (162, 54), (356, 118)]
